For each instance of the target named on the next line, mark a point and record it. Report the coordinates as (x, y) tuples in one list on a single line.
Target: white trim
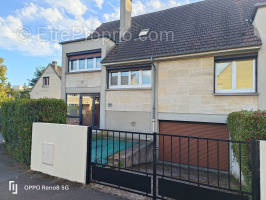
[(140, 85), (234, 81), (86, 65)]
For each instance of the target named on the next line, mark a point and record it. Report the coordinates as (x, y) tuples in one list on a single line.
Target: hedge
[(246, 126), (17, 118)]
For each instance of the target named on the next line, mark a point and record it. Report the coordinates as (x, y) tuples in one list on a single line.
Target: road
[(45, 187)]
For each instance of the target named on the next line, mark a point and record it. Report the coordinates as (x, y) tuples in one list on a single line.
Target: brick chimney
[(54, 63), (125, 16)]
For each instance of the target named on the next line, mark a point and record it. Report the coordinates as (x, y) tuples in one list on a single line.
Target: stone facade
[(128, 100), (187, 86)]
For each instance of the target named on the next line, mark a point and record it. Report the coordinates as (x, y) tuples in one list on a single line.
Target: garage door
[(191, 150)]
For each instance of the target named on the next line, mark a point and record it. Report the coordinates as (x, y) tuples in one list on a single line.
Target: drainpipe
[(153, 96)]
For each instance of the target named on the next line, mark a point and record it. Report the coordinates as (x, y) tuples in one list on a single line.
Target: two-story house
[(179, 71)]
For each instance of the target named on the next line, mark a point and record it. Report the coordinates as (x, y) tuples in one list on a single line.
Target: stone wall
[(187, 86)]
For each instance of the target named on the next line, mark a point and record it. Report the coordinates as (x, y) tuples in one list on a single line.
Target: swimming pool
[(99, 148)]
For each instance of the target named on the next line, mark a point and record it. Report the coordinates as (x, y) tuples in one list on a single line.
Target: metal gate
[(133, 162)]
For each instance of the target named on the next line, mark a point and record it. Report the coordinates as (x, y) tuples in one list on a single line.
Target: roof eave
[(187, 54)]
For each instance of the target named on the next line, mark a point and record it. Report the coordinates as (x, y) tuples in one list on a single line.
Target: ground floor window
[(85, 107)]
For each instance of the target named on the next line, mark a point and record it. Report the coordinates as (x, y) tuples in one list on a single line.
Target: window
[(74, 65), (73, 105), (124, 78), (88, 64), (146, 77), (114, 79), (144, 32), (82, 64), (236, 76), (46, 81), (135, 78), (130, 79), (98, 63)]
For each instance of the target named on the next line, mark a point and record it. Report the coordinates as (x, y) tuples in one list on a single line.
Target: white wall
[(263, 170), (65, 154)]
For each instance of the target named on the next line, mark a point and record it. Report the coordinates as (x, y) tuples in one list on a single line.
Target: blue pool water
[(99, 149)]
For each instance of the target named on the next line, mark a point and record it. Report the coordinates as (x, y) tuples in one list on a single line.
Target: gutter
[(154, 72)]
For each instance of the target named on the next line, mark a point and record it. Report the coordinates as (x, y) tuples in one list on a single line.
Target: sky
[(30, 30)]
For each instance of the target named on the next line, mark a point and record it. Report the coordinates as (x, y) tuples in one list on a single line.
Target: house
[(18, 87), (177, 71), (49, 84)]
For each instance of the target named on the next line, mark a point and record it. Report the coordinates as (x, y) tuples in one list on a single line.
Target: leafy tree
[(3, 85), (19, 94), (37, 74)]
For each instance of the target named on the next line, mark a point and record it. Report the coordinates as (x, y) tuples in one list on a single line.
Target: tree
[(3, 83), (37, 74), (19, 94)]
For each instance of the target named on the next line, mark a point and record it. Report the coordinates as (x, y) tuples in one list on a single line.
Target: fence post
[(255, 158), (154, 166), (88, 166)]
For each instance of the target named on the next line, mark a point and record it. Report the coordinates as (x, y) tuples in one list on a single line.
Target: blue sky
[(31, 29)]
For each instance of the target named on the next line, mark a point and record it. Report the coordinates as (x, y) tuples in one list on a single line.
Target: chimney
[(125, 16), (54, 63)]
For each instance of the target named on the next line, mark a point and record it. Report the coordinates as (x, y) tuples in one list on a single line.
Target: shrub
[(17, 118), (246, 126)]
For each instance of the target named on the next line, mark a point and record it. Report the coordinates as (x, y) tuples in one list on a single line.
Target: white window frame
[(119, 86), (234, 74), (86, 65)]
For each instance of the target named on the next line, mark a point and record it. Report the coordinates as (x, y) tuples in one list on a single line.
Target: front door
[(90, 110)]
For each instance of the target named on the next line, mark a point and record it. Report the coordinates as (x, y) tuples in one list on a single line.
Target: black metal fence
[(163, 165)]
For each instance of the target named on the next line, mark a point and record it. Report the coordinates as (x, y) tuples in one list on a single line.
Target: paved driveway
[(45, 187)]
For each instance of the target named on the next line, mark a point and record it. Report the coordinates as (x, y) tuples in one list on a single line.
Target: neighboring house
[(178, 71), (49, 84), (18, 87)]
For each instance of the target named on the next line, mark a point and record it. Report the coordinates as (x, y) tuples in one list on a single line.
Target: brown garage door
[(194, 151)]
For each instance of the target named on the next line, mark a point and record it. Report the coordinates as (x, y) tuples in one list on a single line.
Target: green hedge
[(17, 117), (246, 126)]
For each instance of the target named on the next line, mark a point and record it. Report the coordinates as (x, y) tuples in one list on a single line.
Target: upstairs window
[(130, 79), (85, 64), (46, 81), (235, 76)]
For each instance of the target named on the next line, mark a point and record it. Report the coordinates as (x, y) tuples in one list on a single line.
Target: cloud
[(54, 25), (139, 8), (15, 37), (62, 20), (75, 8), (99, 3)]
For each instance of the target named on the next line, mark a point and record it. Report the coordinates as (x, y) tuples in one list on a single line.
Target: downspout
[(153, 96)]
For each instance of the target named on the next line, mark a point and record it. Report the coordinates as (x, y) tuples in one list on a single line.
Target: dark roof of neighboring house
[(198, 27)]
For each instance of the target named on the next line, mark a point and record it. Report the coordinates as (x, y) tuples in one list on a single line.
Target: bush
[(246, 126), (17, 117)]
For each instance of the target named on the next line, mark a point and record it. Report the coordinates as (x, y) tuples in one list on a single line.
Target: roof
[(58, 71), (198, 27)]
